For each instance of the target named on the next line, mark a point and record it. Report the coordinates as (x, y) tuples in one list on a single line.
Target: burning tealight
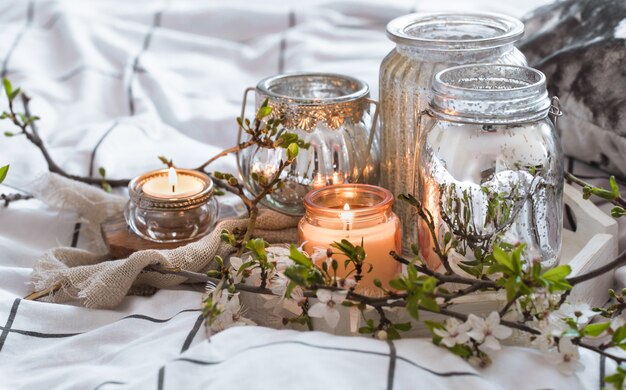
[(172, 185)]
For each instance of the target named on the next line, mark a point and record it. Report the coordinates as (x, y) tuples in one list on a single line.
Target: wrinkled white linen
[(166, 78)]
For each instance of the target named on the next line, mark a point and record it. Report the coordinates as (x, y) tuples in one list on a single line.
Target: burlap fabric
[(95, 282)]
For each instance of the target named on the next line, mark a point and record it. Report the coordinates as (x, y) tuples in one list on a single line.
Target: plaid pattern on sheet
[(117, 83)]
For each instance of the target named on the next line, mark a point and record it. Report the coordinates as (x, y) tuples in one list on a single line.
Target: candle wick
[(173, 188)]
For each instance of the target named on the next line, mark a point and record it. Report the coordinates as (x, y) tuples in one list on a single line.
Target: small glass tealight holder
[(161, 212)]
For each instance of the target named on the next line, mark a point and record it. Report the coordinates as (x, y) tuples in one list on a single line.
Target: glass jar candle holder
[(160, 213), (490, 164), (331, 113), (426, 44), (359, 213)]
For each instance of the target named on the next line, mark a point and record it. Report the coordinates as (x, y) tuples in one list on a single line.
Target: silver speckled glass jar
[(426, 44), (331, 112), (490, 165)]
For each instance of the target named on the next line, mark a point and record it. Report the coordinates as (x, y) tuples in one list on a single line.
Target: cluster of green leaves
[(19, 119), (392, 330), (617, 379), (419, 289), (104, 183), (612, 195), (521, 281)]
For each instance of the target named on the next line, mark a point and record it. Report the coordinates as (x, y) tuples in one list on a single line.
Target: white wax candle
[(378, 241), (173, 185)]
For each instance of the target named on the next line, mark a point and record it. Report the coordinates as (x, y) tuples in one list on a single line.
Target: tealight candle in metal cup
[(171, 205)]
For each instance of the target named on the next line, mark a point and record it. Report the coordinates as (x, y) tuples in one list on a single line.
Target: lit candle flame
[(172, 179), (346, 217)]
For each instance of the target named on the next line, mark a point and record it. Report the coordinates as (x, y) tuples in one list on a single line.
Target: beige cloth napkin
[(86, 277)]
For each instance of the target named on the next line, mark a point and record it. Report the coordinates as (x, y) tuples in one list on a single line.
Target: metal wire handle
[(370, 141), (555, 112), (239, 130)]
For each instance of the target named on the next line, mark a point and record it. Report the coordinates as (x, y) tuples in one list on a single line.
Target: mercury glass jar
[(331, 112), (426, 44), (490, 165)]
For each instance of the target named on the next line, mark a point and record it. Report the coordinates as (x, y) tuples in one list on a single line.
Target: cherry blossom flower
[(580, 312), (325, 308), (321, 254), (566, 357), (231, 311), (456, 332), (251, 276), (488, 331)]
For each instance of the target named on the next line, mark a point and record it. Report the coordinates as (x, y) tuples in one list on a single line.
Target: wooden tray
[(593, 244)]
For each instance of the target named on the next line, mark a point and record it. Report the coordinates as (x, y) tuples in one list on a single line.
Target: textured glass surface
[(331, 112), (491, 181), (426, 45)]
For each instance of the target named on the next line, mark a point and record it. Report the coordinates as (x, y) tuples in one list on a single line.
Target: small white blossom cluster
[(556, 347), (476, 333), (230, 312)]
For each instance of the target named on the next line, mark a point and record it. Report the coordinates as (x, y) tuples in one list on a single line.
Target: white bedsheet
[(117, 83)]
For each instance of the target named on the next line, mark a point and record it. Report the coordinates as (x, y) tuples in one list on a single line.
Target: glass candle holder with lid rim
[(331, 113), (490, 165), (357, 213), (425, 44), (159, 213)]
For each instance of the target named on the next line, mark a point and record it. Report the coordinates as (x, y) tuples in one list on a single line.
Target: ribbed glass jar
[(426, 44), (490, 166), (331, 112)]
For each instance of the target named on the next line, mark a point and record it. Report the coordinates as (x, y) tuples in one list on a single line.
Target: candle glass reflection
[(357, 213), (168, 206)]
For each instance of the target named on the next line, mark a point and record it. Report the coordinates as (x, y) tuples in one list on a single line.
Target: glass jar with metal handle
[(426, 44), (331, 113), (490, 166)]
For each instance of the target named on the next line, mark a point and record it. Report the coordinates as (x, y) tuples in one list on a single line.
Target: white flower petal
[(318, 310), (493, 319), (501, 331), (332, 317), (490, 344), (324, 295)]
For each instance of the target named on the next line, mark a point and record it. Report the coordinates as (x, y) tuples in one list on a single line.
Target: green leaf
[(557, 273), (257, 247), (102, 172), (8, 134), (292, 151), (3, 172), (619, 335), (263, 112), (8, 88), (299, 257), (595, 330), (614, 187), (618, 212), (503, 259), (14, 94), (403, 326)]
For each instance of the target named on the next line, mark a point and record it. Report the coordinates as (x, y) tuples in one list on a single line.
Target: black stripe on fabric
[(440, 374), (84, 68), (192, 333), (76, 234), (43, 335), (602, 371), (156, 320), (52, 21), (108, 383), (161, 380), (392, 364), (146, 43), (7, 327), (92, 158), (30, 14), (283, 43), (568, 210)]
